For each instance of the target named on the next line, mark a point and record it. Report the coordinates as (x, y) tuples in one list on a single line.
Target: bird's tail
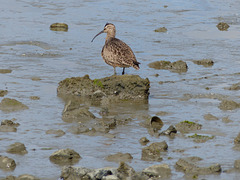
[(136, 65)]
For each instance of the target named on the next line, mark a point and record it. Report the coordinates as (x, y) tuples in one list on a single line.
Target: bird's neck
[(110, 36)]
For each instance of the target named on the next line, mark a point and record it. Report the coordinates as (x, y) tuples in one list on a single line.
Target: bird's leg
[(123, 71), (114, 70)]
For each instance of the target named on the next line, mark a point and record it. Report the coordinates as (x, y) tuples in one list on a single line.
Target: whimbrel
[(115, 52)]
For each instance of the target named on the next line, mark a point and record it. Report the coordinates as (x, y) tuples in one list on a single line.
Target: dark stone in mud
[(178, 66), (143, 141), (237, 139), (126, 87), (161, 171), (210, 117), (119, 157), (228, 105), (3, 93), (234, 87), (65, 157), (17, 148), (161, 29), (186, 126), (58, 133), (5, 71), (7, 163), (189, 166), (204, 62), (171, 131), (59, 27), (8, 104), (153, 151), (222, 26)]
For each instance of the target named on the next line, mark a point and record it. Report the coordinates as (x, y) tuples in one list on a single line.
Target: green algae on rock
[(177, 66), (204, 62), (126, 87), (59, 27), (8, 104)]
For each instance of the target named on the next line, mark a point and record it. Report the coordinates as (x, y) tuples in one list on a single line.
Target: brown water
[(31, 50)]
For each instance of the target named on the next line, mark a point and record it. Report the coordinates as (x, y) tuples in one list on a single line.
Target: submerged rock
[(22, 177), (119, 157), (222, 26), (65, 157), (59, 27), (5, 71), (204, 62), (171, 131), (126, 87), (228, 105), (234, 87), (200, 138), (178, 66), (7, 163), (186, 126), (161, 171), (237, 139), (17, 148), (161, 29), (189, 166), (210, 117), (8, 104), (153, 151), (143, 141), (11, 122), (3, 93), (58, 132)]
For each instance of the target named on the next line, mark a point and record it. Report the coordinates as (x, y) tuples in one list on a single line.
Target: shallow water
[(32, 50)]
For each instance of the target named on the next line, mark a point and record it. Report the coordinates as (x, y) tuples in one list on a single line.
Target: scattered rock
[(6, 128), (119, 157), (226, 120), (237, 139), (171, 131), (204, 62), (152, 152), (22, 177), (65, 157), (200, 138), (178, 66), (7, 163), (222, 26), (124, 171), (127, 87), (186, 126), (58, 132), (3, 93), (34, 97), (234, 87), (143, 141), (11, 122), (161, 29), (210, 117), (237, 164), (8, 104), (189, 166), (228, 105), (59, 27), (17, 148), (5, 71), (161, 171)]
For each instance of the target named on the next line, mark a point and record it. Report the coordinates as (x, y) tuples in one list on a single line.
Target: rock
[(127, 87), (200, 138), (8, 104), (34, 97), (186, 126), (27, 177), (226, 120), (152, 152), (65, 157), (75, 173), (7, 163), (3, 93), (77, 115), (59, 27), (161, 171), (6, 128), (143, 141), (124, 171), (237, 139), (204, 62), (17, 148), (58, 133), (5, 71), (237, 164), (11, 122), (119, 157), (228, 105), (171, 131), (178, 66), (156, 123), (234, 87), (210, 117), (222, 26), (162, 113), (161, 29), (189, 166)]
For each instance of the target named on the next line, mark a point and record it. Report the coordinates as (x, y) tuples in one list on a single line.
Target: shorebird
[(115, 52)]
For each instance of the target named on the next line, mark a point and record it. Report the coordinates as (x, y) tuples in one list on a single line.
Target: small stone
[(170, 131), (3, 93), (5, 71), (204, 62), (34, 97), (27, 177), (58, 133), (210, 117), (186, 126), (161, 170), (17, 148), (8, 104), (237, 139), (143, 141), (222, 26), (7, 163), (161, 29), (237, 164), (228, 105), (59, 27), (119, 157)]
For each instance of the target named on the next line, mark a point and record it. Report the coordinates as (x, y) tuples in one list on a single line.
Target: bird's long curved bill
[(97, 35)]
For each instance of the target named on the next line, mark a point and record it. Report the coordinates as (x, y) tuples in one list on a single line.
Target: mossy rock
[(8, 104), (126, 87), (186, 126)]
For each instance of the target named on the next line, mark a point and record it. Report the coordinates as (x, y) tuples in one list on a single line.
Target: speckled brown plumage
[(115, 52)]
